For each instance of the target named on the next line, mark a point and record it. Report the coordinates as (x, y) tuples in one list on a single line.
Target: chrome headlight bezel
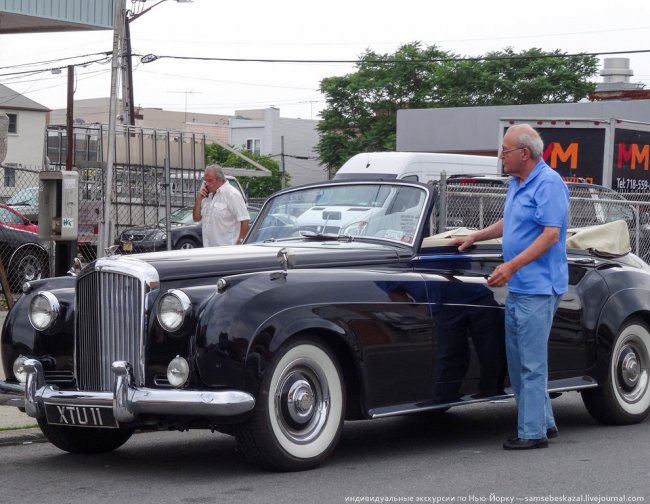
[(44, 304), (173, 310)]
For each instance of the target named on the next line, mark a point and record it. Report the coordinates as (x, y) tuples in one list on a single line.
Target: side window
[(13, 123), (410, 178), (10, 176), (253, 145)]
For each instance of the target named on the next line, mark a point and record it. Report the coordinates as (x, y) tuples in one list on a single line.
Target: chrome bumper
[(128, 401)]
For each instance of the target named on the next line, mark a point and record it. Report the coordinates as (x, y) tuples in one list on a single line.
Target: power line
[(149, 58)]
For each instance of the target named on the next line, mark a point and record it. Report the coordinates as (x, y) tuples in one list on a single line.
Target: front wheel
[(299, 413), (185, 244), (624, 397), (84, 440), (26, 266)]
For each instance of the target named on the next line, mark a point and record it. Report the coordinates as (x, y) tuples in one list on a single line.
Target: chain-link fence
[(155, 172), (146, 188), (474, 204), (23, 254)]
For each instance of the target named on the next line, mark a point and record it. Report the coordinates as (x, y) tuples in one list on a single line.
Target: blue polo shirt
[(542, 200)]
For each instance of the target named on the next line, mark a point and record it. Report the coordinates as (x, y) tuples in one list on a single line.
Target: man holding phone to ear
[(221, 210)]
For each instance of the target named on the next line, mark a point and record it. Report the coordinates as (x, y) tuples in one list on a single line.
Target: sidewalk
[(22, 427)]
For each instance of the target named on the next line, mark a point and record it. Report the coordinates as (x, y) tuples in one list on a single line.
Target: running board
[(556, 386)]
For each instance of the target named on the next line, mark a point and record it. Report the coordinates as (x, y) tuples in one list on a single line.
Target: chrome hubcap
[(630, 369), (300, 401)]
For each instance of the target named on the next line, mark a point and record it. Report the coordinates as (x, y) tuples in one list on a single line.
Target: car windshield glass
[(180, 216), (24, 197), (384, 211)]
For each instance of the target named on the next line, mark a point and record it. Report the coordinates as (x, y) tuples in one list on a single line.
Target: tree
[(361, 111), (255, 187)]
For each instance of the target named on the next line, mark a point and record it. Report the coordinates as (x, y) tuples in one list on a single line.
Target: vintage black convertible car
[(341, 305)]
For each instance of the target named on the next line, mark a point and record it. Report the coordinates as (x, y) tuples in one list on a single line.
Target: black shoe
[(525, 444), (550, 434)]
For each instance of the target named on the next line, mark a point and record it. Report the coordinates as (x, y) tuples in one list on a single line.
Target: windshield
[(180, 216), (368, 210), (24, 197)]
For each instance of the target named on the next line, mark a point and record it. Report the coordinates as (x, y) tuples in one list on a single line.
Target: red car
[(11, 218)]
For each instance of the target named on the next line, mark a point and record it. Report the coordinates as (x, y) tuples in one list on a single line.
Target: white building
[(25, 139), (290, 141)]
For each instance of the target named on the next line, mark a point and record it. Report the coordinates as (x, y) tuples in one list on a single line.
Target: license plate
[(128, 247), (80, 416)]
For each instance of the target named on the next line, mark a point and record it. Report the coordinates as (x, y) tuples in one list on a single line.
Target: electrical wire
[(148, 58)]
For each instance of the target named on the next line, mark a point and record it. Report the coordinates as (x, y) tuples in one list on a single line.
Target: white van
[(415, 166)]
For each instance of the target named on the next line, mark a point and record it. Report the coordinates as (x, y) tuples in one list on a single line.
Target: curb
[(21, 436)]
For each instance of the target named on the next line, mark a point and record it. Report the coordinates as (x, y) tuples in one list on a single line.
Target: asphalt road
[(452, 457)]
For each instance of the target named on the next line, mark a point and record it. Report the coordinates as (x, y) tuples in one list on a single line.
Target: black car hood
[(221, 261)]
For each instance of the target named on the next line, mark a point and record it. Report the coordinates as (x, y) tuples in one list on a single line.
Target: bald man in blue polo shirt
[(535, 270)]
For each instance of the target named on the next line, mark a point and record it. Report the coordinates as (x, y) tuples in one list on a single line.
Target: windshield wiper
[(311, 235)]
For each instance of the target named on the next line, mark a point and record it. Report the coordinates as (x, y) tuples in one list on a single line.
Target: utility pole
[(118, 37), (128, 113), (282, 170)]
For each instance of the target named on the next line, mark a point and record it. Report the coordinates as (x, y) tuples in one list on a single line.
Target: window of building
[(10, 176), (253, 145), (13, 123)]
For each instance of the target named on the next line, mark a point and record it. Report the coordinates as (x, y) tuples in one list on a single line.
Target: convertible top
[(608, 240)]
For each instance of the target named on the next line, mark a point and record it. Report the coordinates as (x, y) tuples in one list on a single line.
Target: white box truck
[(614, 153), (415, 166)]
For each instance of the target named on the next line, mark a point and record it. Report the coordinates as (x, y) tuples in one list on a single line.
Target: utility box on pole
[(58, 205)]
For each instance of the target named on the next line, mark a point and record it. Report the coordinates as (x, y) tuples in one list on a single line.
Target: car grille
[(58, 377), (110, 321)]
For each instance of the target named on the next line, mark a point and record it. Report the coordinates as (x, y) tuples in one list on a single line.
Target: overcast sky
[(291, 29)]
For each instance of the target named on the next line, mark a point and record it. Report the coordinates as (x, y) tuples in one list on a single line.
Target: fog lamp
[(19, 369), (43, 310), (178, 372), (173, 307)]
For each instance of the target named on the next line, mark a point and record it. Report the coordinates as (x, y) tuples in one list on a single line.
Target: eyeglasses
[(506, 151)]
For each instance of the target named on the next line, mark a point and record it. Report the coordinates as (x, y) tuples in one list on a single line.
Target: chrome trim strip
[(129, 402), (414, 408), (127, 265)]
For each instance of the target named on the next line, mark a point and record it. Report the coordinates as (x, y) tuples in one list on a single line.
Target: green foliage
[(255, 187), (361, 110)]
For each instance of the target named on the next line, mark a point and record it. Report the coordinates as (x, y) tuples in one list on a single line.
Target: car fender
[(243, 325), (20, 337), (619, 307)]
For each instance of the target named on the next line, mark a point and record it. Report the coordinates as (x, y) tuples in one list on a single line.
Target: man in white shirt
[(221, 210)]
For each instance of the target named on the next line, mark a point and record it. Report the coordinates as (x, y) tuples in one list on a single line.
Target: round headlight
[(178, 372), (173, 307), (19, 369), (43, 311)]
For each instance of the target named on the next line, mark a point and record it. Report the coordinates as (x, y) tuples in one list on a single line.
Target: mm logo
[(632, 155), (554, 153)]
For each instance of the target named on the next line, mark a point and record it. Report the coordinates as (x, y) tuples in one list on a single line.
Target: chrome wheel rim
[(631, 369), (302, 401)]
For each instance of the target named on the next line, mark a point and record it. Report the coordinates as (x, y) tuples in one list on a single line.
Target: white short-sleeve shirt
[(221, 214)]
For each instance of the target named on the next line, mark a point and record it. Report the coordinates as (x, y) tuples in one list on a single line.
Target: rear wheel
[(299, 413), (84, 440), (624, 398)]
